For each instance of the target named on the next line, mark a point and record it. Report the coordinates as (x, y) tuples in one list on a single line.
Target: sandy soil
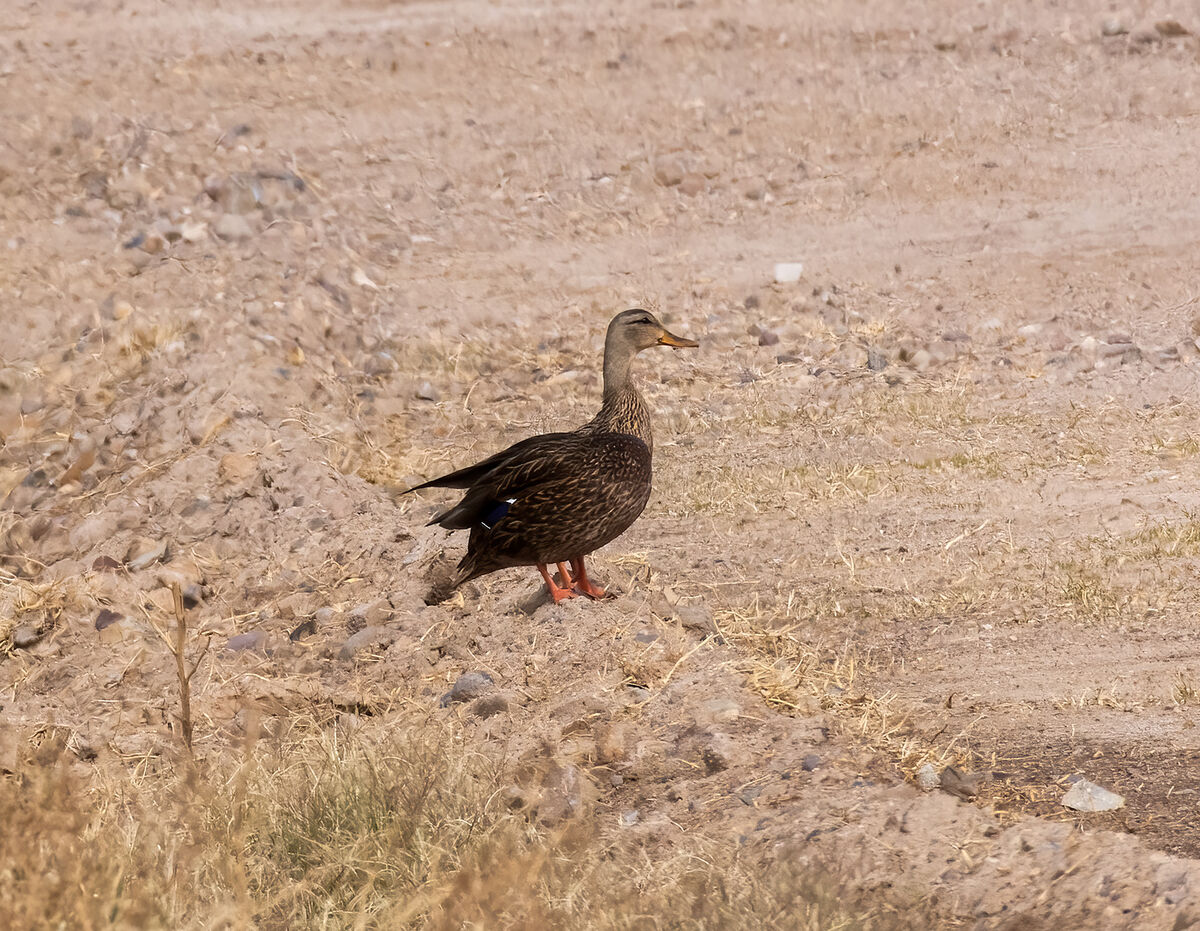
[(935, 502)]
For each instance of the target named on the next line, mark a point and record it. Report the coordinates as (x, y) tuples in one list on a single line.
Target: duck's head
[(635, 330)]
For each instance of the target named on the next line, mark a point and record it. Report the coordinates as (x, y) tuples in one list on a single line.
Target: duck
[(555, 498)]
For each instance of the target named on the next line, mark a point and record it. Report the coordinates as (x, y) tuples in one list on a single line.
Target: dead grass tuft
[(325, 829)]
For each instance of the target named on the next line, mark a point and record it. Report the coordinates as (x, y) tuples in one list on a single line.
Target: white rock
[(788, 272), (928, 778), (1087, 796)]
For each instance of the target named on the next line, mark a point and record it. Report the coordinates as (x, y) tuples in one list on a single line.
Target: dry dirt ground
[(262, 265)]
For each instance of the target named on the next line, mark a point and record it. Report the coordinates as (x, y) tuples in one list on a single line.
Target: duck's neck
[(623, 410), (618, 368)]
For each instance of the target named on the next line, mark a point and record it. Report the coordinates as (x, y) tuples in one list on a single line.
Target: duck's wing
[(564, 465), (473, 474)]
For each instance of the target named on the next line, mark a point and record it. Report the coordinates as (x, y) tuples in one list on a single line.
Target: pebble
[(668, 172), (106, 617), (811, 762), (788, 272), (629, 818), (251, 640), (468, 686), (372, 614), (696, 617), (1113, 27), (118, 629), (959, 784), (368, 636), (768, 338), (25, 635), (719, 754), (877, 360), (237, 467), (928, 778), (921, 360), (562, 794), (193, 231), (144, 552), (427, 392), (1087, 796), (693, 183), (1171, 29), (233, 227), (719, 711), (487, 705), (307, 629)]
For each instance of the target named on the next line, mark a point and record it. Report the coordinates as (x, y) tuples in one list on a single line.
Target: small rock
[(788, 272), (1113, 27), (152, 243), (877, 361), (668, 172), (693, 183), (235, 468), (928, 778), (193, 231), (25, 635), (921, 360), (427, 392), (718, 711), (719, 754), (307, 629), (106, 617), (768, 338), (119, 629), (959, 784), (105, 564), (372, 614), (251, 640), (143, 552), (1087, 796), (696, 617), (1170, 29), (233, 227), (561, 795), (811, 762), (488, 705), (751, 302), (368, 636), (121, 310), (646, 636), (754, 189), (629, 818), (468, 686)]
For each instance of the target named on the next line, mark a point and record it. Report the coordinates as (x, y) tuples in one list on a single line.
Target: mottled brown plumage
[(557, 497)]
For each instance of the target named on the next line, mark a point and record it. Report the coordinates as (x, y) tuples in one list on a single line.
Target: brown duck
[(556, 498)]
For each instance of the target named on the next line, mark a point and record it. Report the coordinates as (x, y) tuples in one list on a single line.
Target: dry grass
[(790, 674), (328, 829)]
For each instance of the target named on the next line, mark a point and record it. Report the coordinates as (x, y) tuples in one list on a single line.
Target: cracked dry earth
[(264, 265)]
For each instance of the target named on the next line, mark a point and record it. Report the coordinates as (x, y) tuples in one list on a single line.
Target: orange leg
[(558, 594), (564, 575), (583, 584)]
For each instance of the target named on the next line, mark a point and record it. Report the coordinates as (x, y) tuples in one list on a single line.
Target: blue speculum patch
[(495, 512)]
